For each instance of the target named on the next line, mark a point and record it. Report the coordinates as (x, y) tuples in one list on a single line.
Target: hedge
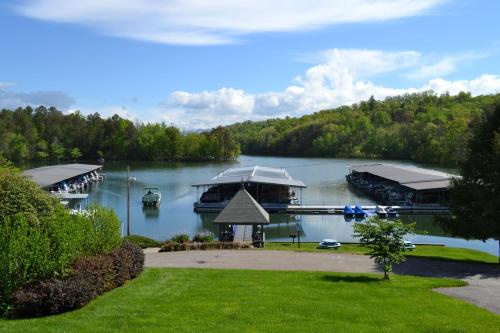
[(89, 277), (170, 246)]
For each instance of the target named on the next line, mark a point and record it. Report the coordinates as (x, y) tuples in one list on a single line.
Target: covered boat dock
[(64, 178), (268, 186), (401, 185)]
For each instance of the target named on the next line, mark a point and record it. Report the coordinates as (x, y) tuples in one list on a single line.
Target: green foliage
[(422, 127), (27, 134), (40, 239), (18, 195), (204, 237), (104, 235), (180, 237), (384, 240), (475, 198), (141, 241)]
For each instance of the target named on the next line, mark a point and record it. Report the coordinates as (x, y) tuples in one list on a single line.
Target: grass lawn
[(427, 251), (208, 300)]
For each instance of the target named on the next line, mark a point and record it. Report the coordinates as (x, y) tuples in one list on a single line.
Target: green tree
[(75, 153), (56, 149), (385, 240), (475, 197)]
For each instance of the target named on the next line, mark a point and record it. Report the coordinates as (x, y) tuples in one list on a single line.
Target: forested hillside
[(48, 134), (421, 127)]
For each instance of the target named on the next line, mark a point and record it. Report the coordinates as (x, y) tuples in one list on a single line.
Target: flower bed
[(171, 246)]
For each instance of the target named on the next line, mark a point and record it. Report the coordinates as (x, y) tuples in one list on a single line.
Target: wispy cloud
[(58, 99), (201, 22)]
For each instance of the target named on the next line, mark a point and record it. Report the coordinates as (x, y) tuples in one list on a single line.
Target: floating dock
[(327, 209)]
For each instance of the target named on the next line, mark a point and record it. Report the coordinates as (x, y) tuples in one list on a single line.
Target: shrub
[(180, 238), (142, 242), (89, 277), (105, 232), (170, 246), (204, 237)]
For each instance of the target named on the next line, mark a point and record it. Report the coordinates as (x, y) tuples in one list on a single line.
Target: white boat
[(329, 244), (152, 197), (380, 211)]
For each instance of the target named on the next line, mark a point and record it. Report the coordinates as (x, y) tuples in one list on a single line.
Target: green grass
[(426, 251), (208, 300)]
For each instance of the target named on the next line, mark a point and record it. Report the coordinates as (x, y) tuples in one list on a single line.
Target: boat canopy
[(253, 174), (53, 174)]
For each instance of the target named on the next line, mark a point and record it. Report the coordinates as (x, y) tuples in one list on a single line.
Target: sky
[(198, 63)]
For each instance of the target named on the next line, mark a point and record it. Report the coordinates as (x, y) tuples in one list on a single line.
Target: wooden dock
[(326, 209)]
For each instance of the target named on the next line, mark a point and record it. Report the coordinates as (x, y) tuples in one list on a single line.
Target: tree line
[(46, 133), (422, 127)]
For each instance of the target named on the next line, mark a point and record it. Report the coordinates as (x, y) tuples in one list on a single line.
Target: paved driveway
[(484, 280)]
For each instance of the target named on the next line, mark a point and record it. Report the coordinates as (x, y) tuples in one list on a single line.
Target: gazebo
[(241, 217)]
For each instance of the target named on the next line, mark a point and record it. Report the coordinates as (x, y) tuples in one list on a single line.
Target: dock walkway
[(243, 234)]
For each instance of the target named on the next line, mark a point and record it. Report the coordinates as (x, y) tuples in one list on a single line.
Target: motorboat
[(152, 197), (329, 244), (409, 245), (359, 212), (380, 211), (348, 211)]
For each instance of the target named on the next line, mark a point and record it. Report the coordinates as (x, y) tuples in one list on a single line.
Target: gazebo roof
[(243, 209)]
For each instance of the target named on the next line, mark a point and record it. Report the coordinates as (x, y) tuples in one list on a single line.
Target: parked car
[(329, 244), (409, 245)]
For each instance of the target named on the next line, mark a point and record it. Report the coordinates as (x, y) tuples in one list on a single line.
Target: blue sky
[(199, 63)]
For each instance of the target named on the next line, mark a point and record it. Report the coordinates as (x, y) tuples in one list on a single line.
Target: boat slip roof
[(410, 176), (254, 174), (243, 209), (53, 174)]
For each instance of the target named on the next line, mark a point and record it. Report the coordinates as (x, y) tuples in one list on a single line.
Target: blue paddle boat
[(359, 212), (348, 212)]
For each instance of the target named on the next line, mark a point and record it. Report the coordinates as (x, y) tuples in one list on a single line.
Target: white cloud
[(58, 99), (202, 22), (341, 80), (432, 67)]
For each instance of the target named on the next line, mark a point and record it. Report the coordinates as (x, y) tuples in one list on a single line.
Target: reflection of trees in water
[(425, 224)]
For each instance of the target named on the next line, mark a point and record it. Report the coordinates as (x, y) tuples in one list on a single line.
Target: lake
[(324, 177)]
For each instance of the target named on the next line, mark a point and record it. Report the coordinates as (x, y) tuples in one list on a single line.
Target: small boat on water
[(348, 211), (380, 211), (359, 212), (152, 197), (391, 212)]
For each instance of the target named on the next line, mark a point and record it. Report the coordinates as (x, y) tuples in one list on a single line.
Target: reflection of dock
[(324, 209)]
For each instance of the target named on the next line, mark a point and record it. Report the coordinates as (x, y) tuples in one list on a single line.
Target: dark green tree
[(385, 240), (475, 197)]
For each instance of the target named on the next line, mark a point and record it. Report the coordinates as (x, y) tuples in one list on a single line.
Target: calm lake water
[(325, 179)]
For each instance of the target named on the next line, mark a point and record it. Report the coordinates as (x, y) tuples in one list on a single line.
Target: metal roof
[(243, 209), (53, 174), (409, 176), (254, 174)]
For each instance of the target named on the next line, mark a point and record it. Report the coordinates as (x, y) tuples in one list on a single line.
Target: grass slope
[(426, 251), (207, 300)]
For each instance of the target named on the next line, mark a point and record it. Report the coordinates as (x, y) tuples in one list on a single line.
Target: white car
[(329, 244), (409, 245)]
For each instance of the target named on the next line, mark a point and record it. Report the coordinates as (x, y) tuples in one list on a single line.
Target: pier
[(327, 209)]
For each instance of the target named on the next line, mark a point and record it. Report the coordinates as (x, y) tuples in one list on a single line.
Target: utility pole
[(128, 200)]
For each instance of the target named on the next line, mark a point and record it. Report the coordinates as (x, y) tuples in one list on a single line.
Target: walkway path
[(484, 280)]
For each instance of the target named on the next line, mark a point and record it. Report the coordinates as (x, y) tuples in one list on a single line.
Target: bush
[(89, 277), (142, 242), (204, 237), (105, 233), (170, 246), (180, 238)]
